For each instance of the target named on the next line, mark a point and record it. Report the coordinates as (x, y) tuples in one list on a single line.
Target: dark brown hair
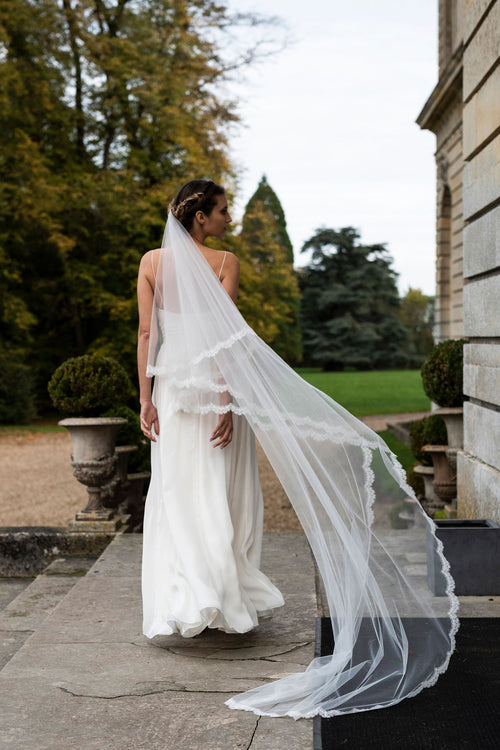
[(196, 195)]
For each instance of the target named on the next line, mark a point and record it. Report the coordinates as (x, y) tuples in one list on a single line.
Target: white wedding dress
[(202, 526)]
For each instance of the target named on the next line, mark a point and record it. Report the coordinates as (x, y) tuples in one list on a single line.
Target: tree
[(106, 107), (417, 313), (350, 304), (269, 293), (265, 198)]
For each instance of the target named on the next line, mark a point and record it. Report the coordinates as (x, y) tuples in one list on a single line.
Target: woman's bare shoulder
[(232, 259), (150, 258)]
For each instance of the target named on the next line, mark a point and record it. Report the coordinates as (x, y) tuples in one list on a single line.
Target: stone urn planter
[(90, 386), (116, 491), (472, 547), (93, 459), (427, 474), (445, 477), (454, 420)]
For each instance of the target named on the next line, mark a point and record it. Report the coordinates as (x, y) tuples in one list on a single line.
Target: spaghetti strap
[(223, 261), (153, 264)]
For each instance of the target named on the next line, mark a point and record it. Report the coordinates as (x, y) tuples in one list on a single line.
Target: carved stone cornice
[(447, 89)]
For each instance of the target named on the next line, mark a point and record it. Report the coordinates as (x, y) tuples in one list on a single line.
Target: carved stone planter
[(472, 547), (116, 491), (93, 459), (445, 478), (454, 421), (427, 474)]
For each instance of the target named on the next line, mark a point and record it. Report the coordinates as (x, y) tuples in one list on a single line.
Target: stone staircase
[(76, 670), (26, 602)]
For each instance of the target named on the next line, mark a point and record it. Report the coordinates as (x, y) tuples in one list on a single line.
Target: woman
[(202, 545), (392, 637)]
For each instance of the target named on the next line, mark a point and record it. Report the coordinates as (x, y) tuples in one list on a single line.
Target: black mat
[(460, 712)]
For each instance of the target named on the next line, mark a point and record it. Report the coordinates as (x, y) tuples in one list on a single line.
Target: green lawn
[(371, 392)]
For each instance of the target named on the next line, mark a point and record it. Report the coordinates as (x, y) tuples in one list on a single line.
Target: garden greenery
[(442, 373), (89, 385)]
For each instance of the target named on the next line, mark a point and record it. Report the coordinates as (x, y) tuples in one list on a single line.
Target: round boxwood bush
[(442, 373), (89, 385), (427, 431), (17, 400)]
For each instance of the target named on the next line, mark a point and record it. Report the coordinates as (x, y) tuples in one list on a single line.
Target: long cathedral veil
[(367, 531)]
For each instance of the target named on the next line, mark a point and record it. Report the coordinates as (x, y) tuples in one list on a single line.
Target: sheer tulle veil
[(392, 636)]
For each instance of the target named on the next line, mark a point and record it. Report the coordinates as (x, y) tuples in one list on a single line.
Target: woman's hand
[(149, 419), (223, 433)]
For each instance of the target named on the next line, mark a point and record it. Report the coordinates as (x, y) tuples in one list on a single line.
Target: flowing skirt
[(202, 528)]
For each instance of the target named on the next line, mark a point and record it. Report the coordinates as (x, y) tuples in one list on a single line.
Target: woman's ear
[(200, 217)]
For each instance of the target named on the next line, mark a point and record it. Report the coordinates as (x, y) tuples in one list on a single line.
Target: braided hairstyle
[(196, 195)]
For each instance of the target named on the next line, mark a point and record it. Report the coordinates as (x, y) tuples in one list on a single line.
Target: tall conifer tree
[(270, 296), (350, 304)]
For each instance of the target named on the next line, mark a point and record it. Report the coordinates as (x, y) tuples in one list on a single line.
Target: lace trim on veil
[(207, 354)]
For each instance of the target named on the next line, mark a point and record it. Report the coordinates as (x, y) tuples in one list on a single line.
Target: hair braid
[(180, 210), (196, 195)]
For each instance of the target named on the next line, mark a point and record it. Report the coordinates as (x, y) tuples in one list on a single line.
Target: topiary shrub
[(427, 431), (442, 373), (88, 386), (17, 400)]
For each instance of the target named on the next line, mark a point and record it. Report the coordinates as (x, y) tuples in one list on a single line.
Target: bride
[(217, 385), (204, 511)]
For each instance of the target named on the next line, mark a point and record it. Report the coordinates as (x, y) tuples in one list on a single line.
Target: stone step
[(87, 677), (26, 602)]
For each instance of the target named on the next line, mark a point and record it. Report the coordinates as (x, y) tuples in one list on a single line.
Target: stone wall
[(479, 462), (464, 113), (451, 18)]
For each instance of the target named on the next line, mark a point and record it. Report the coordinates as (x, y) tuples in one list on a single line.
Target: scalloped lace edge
[(206, 353), (369, 482), (315, 430)]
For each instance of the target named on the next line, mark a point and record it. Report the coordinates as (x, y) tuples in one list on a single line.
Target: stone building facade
[(464, 113)]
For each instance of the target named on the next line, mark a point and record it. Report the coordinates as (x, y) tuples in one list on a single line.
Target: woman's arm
[(230, 279), (145, 294)]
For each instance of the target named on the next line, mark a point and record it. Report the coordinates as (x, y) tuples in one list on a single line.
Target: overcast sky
[(331, 122)]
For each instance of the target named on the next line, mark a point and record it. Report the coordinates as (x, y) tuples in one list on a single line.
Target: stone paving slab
[(36, 598), (88, 678), (10, 588), (28, 610)]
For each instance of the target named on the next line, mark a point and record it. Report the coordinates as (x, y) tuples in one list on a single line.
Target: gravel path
[(37, 487)]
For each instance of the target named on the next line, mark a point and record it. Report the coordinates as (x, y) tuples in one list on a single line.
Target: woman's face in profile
[(218, 219)]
